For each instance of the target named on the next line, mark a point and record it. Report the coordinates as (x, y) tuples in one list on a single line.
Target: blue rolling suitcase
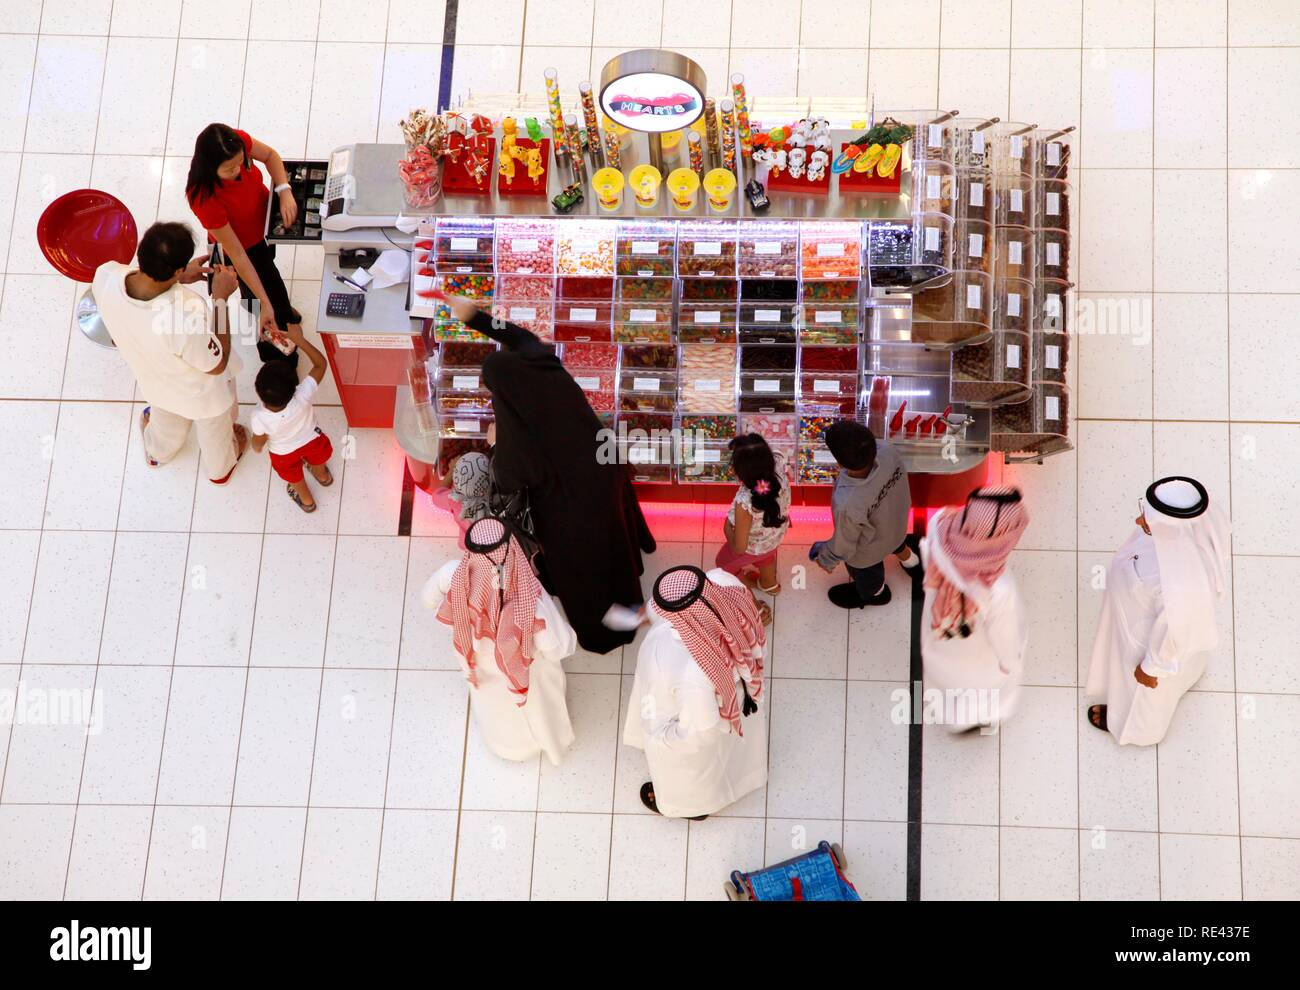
[(815, 876)]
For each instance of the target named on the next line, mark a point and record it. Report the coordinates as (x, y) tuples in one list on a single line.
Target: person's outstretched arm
[(510, 335)]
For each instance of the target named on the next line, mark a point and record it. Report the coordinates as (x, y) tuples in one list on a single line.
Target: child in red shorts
[(285, 420)]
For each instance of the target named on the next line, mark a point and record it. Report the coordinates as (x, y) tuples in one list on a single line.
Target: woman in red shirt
[(228, 196)]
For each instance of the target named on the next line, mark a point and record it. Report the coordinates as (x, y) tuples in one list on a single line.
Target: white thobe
[(979, 675), (1132, 630), (698, 763), (541, 724)]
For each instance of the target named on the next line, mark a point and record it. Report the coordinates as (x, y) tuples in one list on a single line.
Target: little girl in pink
[(759, 515)]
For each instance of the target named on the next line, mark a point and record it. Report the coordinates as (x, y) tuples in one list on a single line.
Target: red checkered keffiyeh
[(977, 542), (723, 644), (474, 610)]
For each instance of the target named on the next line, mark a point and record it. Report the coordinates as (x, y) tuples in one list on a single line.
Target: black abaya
[(585, 513)]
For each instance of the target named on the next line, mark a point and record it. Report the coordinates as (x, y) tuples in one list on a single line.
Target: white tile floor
[(277, 717)]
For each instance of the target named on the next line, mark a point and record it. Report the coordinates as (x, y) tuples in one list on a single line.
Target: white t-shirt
[(168, 344), (293, 426)]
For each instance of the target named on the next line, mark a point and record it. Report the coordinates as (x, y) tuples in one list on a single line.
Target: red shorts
[(315, 452)]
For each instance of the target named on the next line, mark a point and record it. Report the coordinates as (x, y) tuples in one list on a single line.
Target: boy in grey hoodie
[(870, 506)]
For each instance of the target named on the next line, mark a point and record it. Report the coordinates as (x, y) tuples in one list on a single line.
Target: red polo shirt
[(240, 203)]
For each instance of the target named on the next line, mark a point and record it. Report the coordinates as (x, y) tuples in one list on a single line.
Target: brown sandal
[(1097, 717), (329, 475), (293, 494)]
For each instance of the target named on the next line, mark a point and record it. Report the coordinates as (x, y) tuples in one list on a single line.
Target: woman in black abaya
[(585, 513)]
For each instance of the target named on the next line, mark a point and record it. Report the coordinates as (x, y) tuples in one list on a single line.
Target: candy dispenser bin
[(830, 249), (1035, 428), (1052, 203), (767, 378), (585, 247), (646, 247), (936, 140), (646, 443), (594, 366), (707, 312), (1013, 304), (1052, 253), (934, 187), (933, 237), (525, 246), (830, 312), (1013, 200), (768, 310), (817, 465), (974, 194), (648, 378), (1051, 357), (584, 308), (1051, 299), (465, 245), (705, 457), (973, 147), (976, 246), (480, 288), (1015, 148), (1055, 150), (1014, 253), (994, 372), (707, 248), (528, 301), (707, 383), (768, 249), (956, 312)]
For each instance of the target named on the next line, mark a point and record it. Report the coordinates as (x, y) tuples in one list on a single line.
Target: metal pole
[(655, 140)]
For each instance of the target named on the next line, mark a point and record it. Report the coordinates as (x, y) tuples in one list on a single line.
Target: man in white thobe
[(1157, 622), (703, 755)]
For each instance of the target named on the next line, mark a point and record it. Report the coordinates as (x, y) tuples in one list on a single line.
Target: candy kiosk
[(703, 269)]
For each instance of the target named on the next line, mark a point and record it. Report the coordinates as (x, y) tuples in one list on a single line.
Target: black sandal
[(648, 799), (1097, 717), (293, 494)]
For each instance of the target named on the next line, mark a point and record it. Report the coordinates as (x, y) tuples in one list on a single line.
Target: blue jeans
[(870, 581)]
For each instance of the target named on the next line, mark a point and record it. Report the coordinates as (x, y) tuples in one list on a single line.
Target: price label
[(588, 384), (1017, 146), (977, 142), (825, 250), (1052, 409), (582, 316), (708, 316), (932, 238), (708, 385), (643, 316), (708, 248), (1013, 355), (465, 425), (464, 244), (1052, 306), (523, 313), (1053, 152), (767, 247), (823, 457), (767, 316), (934, 137), (645, 384), (1053, 204), (524, 247), (973, 297), (1015, 252), (645, 247), (767, 385), (1013, 304), (975, 245), (464, 269), (464, 381), (708, 456), (1017, 201), (584, 247), (827, 316), (643, 272), (826, 385), (977, 194), (1053, 253), (1052, 356), (932, 187)]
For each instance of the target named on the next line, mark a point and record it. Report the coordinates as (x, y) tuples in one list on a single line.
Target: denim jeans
[(870, 581)]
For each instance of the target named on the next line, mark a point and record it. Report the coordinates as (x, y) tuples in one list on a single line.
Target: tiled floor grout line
[(94, 684)]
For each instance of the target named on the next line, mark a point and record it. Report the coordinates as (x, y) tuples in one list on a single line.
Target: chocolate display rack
[(933, 316)]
